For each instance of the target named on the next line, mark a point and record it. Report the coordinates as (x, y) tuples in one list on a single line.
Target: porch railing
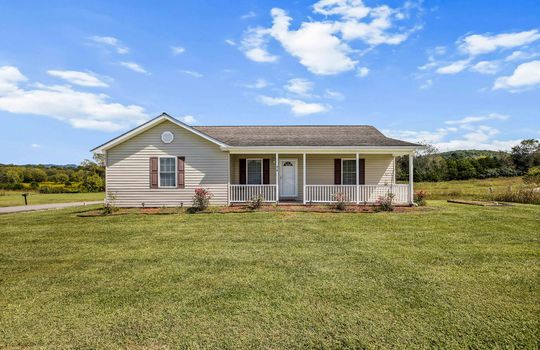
[(327, 193), (368, 194), (245, 193)]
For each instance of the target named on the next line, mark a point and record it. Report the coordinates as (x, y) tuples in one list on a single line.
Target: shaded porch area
[(313, 178)]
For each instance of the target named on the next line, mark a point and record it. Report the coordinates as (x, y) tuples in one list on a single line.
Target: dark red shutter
[(242, 170), (154, 172), (362, 166), (266, 171), (181, 183), (337, 171)]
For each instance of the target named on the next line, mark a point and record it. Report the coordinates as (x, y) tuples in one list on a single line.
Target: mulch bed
[(246, 209)]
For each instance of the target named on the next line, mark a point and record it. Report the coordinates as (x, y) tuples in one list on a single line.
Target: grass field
[(467, 189), (449, 276), (13, 198)]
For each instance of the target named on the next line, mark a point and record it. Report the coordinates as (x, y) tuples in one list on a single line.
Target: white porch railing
[(327, 193), (366, 193), (245, 193)]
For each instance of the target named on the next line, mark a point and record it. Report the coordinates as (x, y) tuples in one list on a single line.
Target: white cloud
[(254, 45), (477, 44), (258, 84), (299, 86), (177, 50), (35, 145), (189, 119), (111, 41), (78, 78), (314, 44), (230, 42), (322, 46), (335, 95), (486, 67), (521, 55), (476, 119), (298, 107), (134, 67), (191, 73), (62, 102), (250, 14), (362, 72), (454, 67), (466, 134), (525, 75), (10, 77)]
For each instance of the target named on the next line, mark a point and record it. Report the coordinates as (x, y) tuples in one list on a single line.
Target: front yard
[(452, 276)]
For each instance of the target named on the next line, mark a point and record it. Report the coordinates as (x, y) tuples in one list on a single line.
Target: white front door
[(288, 185)]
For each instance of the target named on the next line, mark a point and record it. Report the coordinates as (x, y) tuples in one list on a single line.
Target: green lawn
[(467, 189), (13, 198), (452, 276)]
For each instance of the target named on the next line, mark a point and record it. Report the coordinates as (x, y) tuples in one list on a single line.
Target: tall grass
[(523, 194)]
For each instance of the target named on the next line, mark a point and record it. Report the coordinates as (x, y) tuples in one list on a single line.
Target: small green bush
[(256, 202), (532, 176)]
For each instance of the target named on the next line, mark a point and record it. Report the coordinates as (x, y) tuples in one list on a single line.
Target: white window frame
[(355, 168), (175, 172), (247, 172)]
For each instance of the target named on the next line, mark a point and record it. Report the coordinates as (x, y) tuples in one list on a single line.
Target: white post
[(304, 179), (357, 178), (411, 179), (228, 178), (277, 177)]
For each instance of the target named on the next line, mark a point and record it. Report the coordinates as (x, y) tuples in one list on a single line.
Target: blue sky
[(457, 74)]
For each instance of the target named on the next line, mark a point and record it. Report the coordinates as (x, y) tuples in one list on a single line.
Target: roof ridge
[(304, 125)]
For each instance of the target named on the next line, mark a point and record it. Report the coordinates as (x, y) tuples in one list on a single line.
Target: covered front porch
[(317, 177)]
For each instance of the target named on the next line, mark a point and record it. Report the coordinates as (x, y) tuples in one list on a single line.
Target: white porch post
[(304, 178), (357, 178), (411, 178), (228, 178), (277, 177)]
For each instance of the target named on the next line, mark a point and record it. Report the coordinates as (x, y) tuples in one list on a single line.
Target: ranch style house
[(163, 161)]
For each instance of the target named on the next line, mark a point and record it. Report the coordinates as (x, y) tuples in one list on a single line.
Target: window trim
[(247, 170), (355, 170), (175, 171)]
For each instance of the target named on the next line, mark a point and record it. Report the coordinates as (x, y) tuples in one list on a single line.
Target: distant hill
[(472, 153)]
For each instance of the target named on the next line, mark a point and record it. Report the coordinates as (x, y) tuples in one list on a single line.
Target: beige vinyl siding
[(128, 168), (235, 167), (320, 168)]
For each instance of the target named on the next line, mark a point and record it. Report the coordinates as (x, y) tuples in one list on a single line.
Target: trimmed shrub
[(340, 201), (201, 199), (256, 202), (420, 198), (385, 203)]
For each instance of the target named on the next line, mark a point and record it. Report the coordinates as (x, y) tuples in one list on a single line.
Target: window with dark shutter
[(337, 171), (181, 172), (153, 172)]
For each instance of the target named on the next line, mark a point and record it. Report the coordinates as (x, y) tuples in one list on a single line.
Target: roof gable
[(150, 124)]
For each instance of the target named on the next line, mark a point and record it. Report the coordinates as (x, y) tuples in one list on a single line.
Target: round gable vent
[(167, 137)]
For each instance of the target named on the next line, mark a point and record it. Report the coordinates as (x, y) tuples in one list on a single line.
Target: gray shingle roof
[(305, 135)]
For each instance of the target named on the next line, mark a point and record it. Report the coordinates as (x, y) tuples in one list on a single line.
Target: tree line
[(89, 176), (432, 165)]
